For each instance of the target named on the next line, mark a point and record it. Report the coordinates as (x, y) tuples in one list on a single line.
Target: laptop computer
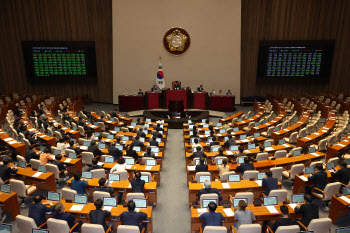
[(218, 124), (155, 149), (142, 139), (240, 160), (243, 136), (189, 121), (257, 124), (190, 127), (278, 128), (256, 135), (151, 162), (133, 124), (312, 149), (113, 177), (205, 202), (343, 230), (130, 161), (235, 201), (110, 136), (5, 228), (117, 129), (87, 143), (101, 146), (309, 170), (204, 178), (42, 148), (95, 123), (303, 134), (234, 178), (210, 140), (251, 146), (219, 161), (53, 196), (206, 126), (346, 191), (145, 178), (297, 198), (42, 168), (22, 164), (97, 134), (222, 130), (296, 153), (86, 175), (72, 155), (204, 120), (281, 141), (233, 148), (56, 152), (74, 140), (110, 201), (239, 119), (261, 175), (119, 147), (270, 201), (5, 188), (207, 132), (214, 149), (330, 166), (137, 148), (80, 199), (140, 202), (267, 144), (235, 129), (109, 159), (148, 120), (125, 138)]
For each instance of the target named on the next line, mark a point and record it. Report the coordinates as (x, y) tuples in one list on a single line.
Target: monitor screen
[(60, 60), (298, 198), (309, 170), (189, 121), (97, 134), (110, 136), (256, 135), (119, 147), (117, 129), (80, 199), (235, 129), (101, 146), (113, 177), (278, 128), (204, 178), (270, 201), (240, 160), (242, 137), (218, 124), (234, 148), (42, 148), (343, 230), (225, 138), (261, 175), (296, 153), (190, 127), (56, 152), (210, 139), (86, 175), (330, 166), (125, 138), (206, 126), (137, 148), (346, 191), (53, 196), (251, 146), (133, 124), (204, 120), (40, 231), (303, 134), (42, 168), (219, 161), (140, 203), (142, 139), (74, 140), (281, 141), (151, 162), (95, 123), (236, 201), (145, 178), (87, 143), (205, 202), (110, 201), (109, 159), (129, 161), (312, 149), (148, 120), (348, 162), (5, 228), (22, 164), (234, 178), (291, 60), (5, 188), (72, 155), (267, 144), (207, 132), (222, 130), (155, 149), (239, 119), (215, 149)]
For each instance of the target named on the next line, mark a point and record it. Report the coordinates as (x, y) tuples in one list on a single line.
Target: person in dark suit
[(140, 133), (213, 143), (133, 218), (137, 142), (153, 89), (5, 170), (41, 110), (208, 189), (37, 211), (199, 153), (131, 152), (71, 147), (202, 167), (343, 173), (154, 142), (115, 152), (211, 218), (221, 153), (140, 92), (284, 221), (78, 184), (114, 113), (261, 150), (149, 153), (30, 154), (246, 166), (99, 216), (319, 178), (94, 165), (230, 142), (30, 138), (308, 210), (104, 188), (200, 88), (194, 134), (137, 185), (93, 148), (157, 134), (229, 92), (59, 213), (60, 165), (240, 152), (270, 183)]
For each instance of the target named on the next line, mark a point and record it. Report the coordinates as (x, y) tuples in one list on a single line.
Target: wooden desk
[(339, 208), (264, 127), (73, 166), (45, 181), (230, 118), (245, 123), (299, 183), (338, 149), (19, 147), (124, 187), (9, 204)]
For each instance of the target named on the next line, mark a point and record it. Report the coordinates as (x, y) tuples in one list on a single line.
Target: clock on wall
[(176, 41)]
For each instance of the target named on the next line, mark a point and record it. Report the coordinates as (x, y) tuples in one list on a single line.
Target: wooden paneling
[(66, 20), (295, 20)]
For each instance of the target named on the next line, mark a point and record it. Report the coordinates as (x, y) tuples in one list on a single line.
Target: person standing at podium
[(200, 88)]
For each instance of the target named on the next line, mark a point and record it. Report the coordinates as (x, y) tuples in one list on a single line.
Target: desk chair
[(81, 141), (294, 170), (123, 175), (35, 163), (280, 154), (73, 125), (326, 195), (59, 226), (321, 225), (57, 135), (198, 174), (67, 123), (103, 157), (219, 157), (313, 164), (123, 229), (67, 151), (86, 158), (131, 196), (57, 173), (248, 228), (104, 134), (26, 224), (150, 177), (250, 175), (98, 173), (233, 121), (146, 158), (284, 229), (281, 195), (262, 156), (248, 195), (225, 176), (22, 190), (81, 131), (277, 172), (334, 160), (322, 145), (213, 229), (291, 152), (268, 132), (208, 196), (100, 195), (102, 126), (249, 127), (26, 142), (68, 194), (20, 158), (124, 129)]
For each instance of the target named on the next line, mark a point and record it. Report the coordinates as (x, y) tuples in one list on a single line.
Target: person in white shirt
[(195, 143), (62, 146), (120, 166)]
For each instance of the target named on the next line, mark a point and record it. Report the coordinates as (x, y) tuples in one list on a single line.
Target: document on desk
[(77, 207), (109, 122), (219, 135), (113, 132), (72, 131), (129, 186), (148, 168), (308, 138), (244, 140), (337, 145), (108, 208), (269, 149), (246, 151), (277, 133), (344, 198), (315, 154), (8, 139), (229, 152), (31, 130), (285, 145), (293, 206), (201, 211), (272, 209), (229, 212), (83, 147), (37, 174), (201, 136), (324, 131), (13, 142), (259, 182), (317, 133), (225, 185), (100, 164), (128, 166), (67, 160), (191, 168), (304, 178)]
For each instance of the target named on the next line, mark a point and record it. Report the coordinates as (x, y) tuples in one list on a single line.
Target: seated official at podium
[(153, 89), (200, 88), (176, 85), (140, 93), (229, 92)]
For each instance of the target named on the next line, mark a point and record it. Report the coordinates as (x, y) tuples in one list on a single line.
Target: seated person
[(71, 147), (79, 184), (115, 152), (208, 189), (223, 168), (93, 148), (308, 210), (114, 113), (30, 154), (343, 173), (214, 142), (202, 167), (140, 133), (137, 142), (130, 152), (240, 152), (103, 187), (284, 221), (31, 138), (37, 211), (211, 218), (120, 166), (99, 216), (5, 170), (243, 215), (60, 165), (269, 182), (157, 134), (154, 141), (195, 143), (153, 89), (133, 218), (140, 92), (199, 153), (261, 150), (139, 122), (221, 153), (229, 92), (200, 88), (319, 178), (94, 165), (59, 213), (137, 185), (45, 157), (149, 153), (246, 166)]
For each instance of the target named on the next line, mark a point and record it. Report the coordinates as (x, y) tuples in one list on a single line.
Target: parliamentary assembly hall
[(186, 116)]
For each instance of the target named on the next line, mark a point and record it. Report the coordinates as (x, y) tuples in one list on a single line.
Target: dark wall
[(70, 20), (295, 20)]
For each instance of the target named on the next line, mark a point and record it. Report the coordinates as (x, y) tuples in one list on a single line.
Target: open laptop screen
[(298, 198), (5, 188), (145, 178), (53, 196), (204, 178), (234, 178), (86, 175), (236, 201), (113, 177), (80, 199), (110, 201), (140, 203), (270, 201), (205, 202), (343, 230), (5, 228)]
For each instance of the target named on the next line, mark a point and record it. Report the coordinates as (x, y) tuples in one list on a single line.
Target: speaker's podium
[(176, 108)]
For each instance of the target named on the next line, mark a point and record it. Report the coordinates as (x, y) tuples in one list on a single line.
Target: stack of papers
[(344, 198), (229, 152), (259, 182), (148, 168), (293, 206), (8, 139), (83, 147), (315, 154), (13, 142), (191, 168), (108, 208), (100, 164), (225, 185), (77, 207), (308, 138), (246, 151), (269, 149), (272, 209), (228, 212), (37, 174), (337, 145), (304, 178), (128, 166), (201, 211), (285, 145), (67, 160), (219, 135)]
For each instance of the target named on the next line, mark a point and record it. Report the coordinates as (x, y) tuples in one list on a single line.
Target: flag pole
[(160, 59)]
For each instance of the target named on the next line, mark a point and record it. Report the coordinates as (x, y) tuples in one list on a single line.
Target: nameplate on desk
[(259, 182), (324, 131), (304, 178), (191, 168), (229, 152), (229, 212), (317, 133), (300, 122), (277, 133), (344, 198), (113, 132), (67, 160), (286, 130), (267, 124), (93, 126), (272, 209), (246, 151), (37, 174), (8, 139), (77, 207), (226, 185), (12, 142), (346, 141), (273, 121)]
